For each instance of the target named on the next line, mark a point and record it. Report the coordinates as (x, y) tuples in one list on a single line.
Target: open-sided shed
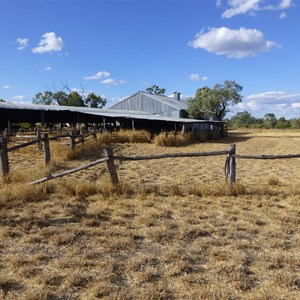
[(11, 113)]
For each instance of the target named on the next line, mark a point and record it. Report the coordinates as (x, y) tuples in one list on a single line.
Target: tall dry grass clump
[(132, 136), (171, 141)]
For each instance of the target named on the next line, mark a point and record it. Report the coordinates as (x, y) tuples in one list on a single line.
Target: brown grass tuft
[(171, 141)]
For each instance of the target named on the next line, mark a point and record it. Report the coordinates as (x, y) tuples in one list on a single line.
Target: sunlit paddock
[(171, 229)]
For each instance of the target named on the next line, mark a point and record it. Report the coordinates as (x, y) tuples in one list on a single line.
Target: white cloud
[(219, 3), (48, 68), (7, 86), (197, 77), (49, 43), (237, 43), (283, 15), (240, 7), (20, 98), (236, 7), (278, 102), (99, 75), (284, 4), (111, 81), (23, 43)]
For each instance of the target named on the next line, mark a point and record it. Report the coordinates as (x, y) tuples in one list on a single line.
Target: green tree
[(155, 89), (282, 123), (295, 123), (270, 120), (96, 101), (216, 101), (2, 100), (74, 99), (45, 98), (243, 119), (61, 97)]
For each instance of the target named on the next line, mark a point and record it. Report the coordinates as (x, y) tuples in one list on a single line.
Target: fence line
[(109, 158), (172, 155), (267, 156), (68, 172), (4, 150)]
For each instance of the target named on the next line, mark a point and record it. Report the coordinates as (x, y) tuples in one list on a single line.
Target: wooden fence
[(42, 143), (109, 158)]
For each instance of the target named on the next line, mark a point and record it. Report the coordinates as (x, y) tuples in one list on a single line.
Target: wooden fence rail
[(68, 172), (4, 149), (172, 155), (267, 156), (109, 158)]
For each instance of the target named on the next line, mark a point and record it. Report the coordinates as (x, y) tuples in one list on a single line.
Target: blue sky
[(118, 47)]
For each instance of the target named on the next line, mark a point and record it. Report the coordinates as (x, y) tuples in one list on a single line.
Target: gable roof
[(178, 105)]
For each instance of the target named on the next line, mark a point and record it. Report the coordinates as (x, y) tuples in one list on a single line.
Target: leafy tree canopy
[(155, 89), (72, 98), (270, 120), (44, 98), (96, 101), (214, 102)]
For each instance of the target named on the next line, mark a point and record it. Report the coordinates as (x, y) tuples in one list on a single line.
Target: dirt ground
[(171, 230)]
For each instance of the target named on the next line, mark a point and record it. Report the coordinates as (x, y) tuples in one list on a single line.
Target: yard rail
[(4, 149), (109, 158)]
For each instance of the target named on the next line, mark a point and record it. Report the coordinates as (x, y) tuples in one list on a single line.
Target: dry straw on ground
[(170, 230)]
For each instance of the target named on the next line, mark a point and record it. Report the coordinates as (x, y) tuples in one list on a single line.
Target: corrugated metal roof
[(30, 106), (112, 113), (164, 99)]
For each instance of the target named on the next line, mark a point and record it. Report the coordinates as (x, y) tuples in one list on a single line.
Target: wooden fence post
[(47, 156), (108, 152), (4, 165), (38, 136), (72, 140), (231, 171)]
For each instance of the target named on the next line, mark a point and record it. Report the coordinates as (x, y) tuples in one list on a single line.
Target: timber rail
[(109, 158)]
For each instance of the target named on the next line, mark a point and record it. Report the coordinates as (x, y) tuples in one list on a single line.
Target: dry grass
[(161, 233)]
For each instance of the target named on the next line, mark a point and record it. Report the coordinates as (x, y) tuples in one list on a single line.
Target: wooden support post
[(81, 132), (132, 124), (193, 132), (94, 132), (6, 133), (231, 174), (108, 152), (4, 165), (47, 156), (38, 136), (72, 140), (8, 128), (104, 125), (183, 130)]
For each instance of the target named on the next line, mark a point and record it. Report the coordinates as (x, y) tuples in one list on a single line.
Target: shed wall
[(141, 102)]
